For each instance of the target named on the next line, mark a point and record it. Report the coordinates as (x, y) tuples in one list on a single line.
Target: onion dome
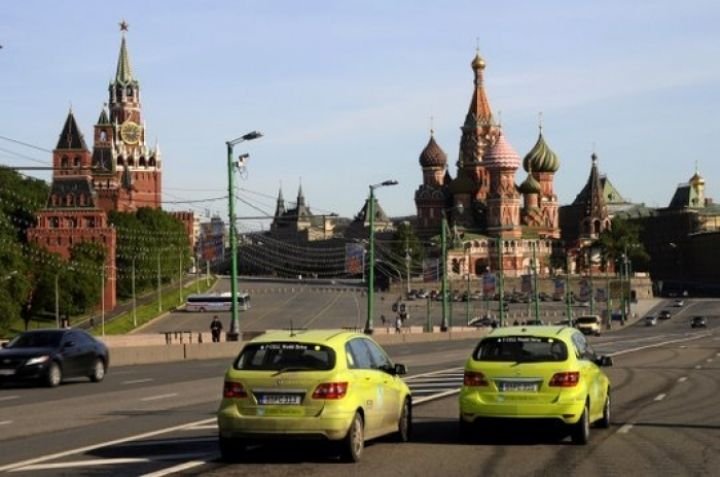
[(529, 186), (433, 155), (502, 155), (478, 63), (697, 180), (541, 158), (462, 184)]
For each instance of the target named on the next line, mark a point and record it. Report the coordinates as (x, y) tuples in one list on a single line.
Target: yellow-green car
[(331, 384), (536, 372)]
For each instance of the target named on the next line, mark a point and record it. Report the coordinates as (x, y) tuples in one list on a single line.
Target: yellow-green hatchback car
[(548, 373), (331, 385)]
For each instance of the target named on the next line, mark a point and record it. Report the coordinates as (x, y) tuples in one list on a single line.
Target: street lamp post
[(567, 288), (536, 297), (371, 259), (467, 300), (443, 254), (234, 333), (501, 281)]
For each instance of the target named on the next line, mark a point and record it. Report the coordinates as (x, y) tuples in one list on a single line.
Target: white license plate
[(7, 372), (518, 387), (280, 399)]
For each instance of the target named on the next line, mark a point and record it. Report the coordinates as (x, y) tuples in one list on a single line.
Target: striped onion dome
[(502, 155), (541, 158), (529, 186), (433, 155)]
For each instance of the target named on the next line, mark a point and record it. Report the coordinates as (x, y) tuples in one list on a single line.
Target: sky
[(344, 91)]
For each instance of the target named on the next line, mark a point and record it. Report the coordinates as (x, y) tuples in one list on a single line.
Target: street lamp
[(443, 253), (234, 333), (371, 259)]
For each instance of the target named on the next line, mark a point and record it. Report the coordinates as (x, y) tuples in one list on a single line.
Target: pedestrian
[(398, 324), (382, 318), (215, 329)]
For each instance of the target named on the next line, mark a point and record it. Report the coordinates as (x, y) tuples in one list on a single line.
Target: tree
[(622, 238), (405, 241)]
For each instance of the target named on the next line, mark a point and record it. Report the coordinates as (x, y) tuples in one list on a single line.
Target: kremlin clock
[(130, 132)]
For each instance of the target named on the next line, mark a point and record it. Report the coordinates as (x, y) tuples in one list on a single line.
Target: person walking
[(398, 324), (215, 329)]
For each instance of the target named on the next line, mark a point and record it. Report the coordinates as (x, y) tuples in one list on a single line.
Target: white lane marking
[(682, 379), (159, 442), (709, 360), (202, 428), (9, 398), (136, 381), (698, 367), (415, 376), (5, 423), (657, 345), (436, 396), (82, 463), (625, 429), (660, 397), (122, 440), (114, 461), (176, 468), (159, 396)]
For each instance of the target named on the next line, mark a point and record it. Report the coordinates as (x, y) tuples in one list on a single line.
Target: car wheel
[(202, 310), (604, 421), (405, 422), (232, 450), (354, 442), (54, 375), (581, 430), (98, 371)]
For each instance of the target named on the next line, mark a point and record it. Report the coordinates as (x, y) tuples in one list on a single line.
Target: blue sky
[(344, 90)]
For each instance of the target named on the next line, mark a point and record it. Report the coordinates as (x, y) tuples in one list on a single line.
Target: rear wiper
[(291, 368)]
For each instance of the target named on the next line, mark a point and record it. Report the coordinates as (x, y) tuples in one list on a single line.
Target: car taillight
[(565, 380), (234, 390), (335, 390), (474, 378)]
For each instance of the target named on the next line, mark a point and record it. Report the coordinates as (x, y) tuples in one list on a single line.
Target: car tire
[(580, 433), (405, 422), (54, 375), (353, 443), (231, 449), (97, 373), (604, 422)]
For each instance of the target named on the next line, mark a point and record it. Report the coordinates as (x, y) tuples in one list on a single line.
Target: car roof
[(307, 336), (534, 330)]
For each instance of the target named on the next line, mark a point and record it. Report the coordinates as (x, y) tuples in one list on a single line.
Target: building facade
[(494, 222)]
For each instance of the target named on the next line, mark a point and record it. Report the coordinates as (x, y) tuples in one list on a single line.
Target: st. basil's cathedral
[(488, 213)]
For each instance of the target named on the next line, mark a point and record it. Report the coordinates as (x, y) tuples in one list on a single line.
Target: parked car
[(50, 356), (544, 296), (328, 385), (547, 374), (665, 315), (698, 322), (650, 320), (679, 303)]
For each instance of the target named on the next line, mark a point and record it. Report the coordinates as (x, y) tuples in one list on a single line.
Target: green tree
[(624, 237), (405, 241)]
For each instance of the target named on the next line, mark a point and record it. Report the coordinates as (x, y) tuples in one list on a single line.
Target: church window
[(121, 161), (130, 162), (152, 162), (76, 161), (64, 162), (54, 222), (69, 200), (73, 222), (129, 91), (142, 161), (103, 136)]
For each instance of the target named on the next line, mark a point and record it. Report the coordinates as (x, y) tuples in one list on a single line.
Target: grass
[(123, 323)]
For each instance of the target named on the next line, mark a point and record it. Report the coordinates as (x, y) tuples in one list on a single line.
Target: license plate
[(280, 399), (7, 372), (518, 387)]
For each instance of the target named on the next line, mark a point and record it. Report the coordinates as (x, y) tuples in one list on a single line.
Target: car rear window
[(285, 356), (587, 320), (521, 349)]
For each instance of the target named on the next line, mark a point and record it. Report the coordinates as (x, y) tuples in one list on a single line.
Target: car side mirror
[(400, 370), (604, 361), (69, 344)]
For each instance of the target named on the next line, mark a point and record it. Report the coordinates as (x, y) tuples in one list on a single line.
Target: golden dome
[(478, 62)]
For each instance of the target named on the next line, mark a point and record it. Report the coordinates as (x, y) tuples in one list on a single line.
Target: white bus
[(216, 302)]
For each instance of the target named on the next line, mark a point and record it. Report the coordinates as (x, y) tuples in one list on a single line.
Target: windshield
[(587, 320), (36, 339), (521, 349), (286, 357)]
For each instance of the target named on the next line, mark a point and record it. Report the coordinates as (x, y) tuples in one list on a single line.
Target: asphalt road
[(159, 419), (307, 305)]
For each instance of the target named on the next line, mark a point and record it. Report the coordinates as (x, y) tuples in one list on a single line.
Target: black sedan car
[(49, 356), (698, 322)]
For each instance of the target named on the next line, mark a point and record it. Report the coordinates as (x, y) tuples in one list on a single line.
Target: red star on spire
[(124, 26)]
